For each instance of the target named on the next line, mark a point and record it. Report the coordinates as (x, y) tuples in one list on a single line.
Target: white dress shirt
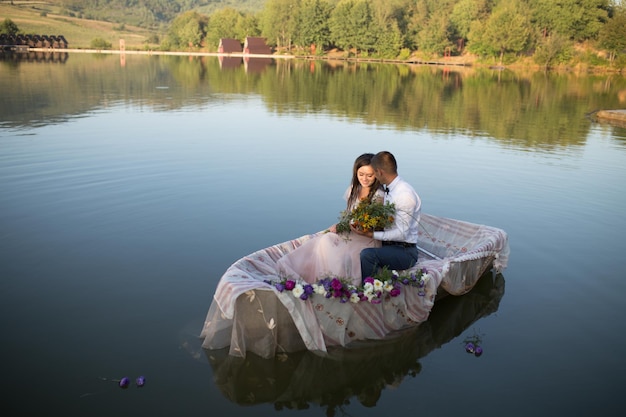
[(408, 207)]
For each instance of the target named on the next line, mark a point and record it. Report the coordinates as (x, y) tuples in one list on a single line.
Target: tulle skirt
[(328, 254)]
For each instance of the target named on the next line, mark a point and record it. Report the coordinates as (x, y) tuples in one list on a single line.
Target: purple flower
[(336, 284), (280, 287), (124, 382), (290, 284), (469, 347), (395, 292), (304, 296), (308, 289), (140, 381), (421, 293), (368, 279), (478, 351), (376, 300)]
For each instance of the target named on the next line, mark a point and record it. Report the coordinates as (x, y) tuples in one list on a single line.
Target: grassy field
[(42, 18)]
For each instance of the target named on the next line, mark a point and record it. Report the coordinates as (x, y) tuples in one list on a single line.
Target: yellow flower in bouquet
[(367, 216)]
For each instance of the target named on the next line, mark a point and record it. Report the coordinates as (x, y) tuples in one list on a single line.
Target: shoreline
[(457, 63)]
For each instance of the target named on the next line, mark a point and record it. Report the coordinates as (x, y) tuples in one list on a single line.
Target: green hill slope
[(81, 21)]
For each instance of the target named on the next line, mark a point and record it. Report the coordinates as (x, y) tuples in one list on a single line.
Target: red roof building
[(229, 46), (256, 46)]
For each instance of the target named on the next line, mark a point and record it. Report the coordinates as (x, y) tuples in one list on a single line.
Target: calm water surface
[(128, 186)]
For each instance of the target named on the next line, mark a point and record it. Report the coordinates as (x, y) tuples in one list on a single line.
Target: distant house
[(256, 46), (229, 46)]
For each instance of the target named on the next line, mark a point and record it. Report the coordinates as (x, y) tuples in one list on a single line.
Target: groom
[(398, 250)]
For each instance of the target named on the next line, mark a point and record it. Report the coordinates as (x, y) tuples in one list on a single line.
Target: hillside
[(151, 14), (81, 21), (46, 19)]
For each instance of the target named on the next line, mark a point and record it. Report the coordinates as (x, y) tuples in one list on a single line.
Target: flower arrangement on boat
[(374, 289), (367, 215)]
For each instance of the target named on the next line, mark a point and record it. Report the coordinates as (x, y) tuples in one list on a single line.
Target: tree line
[(504, 30), (552, 32)]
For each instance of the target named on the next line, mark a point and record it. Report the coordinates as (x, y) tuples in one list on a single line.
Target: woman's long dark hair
[(361, 161)]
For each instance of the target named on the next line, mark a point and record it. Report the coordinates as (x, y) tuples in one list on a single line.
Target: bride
[(333, 253)]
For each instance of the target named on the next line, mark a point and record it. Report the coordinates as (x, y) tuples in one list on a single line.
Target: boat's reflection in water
[(297, 380)]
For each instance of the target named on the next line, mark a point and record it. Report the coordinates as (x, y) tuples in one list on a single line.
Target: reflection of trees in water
[(536, 110), (298, 380)]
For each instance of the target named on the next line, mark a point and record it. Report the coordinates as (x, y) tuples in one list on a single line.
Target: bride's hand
[(361, 232)]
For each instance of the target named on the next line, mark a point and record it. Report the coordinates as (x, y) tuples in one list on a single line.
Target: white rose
[(319, 289), (298, 290)]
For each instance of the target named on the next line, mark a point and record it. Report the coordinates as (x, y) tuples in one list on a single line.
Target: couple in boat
[(339, 286), (360, 253)]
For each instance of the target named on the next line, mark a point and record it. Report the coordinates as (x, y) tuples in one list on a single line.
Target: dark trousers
[(391, 256)]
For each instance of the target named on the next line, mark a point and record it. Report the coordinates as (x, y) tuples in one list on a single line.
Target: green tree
[(467, 11), (389, 39), (579, 20), (507, 30), (8, 27), (350, 24), (313, 24), (612, 36), (279, 22), (229, 23), (99, 43), (553, 49), (187, 30), (434, 38), (427, 24), (247, 25), (340, 31), (389, 22)]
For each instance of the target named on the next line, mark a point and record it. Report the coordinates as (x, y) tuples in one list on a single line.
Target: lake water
[(129, 184)]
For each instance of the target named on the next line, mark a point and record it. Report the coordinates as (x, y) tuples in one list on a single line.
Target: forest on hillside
[(551, 33), (150, 14)]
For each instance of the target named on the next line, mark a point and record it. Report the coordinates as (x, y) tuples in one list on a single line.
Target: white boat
[(300, 380), (249, 314)]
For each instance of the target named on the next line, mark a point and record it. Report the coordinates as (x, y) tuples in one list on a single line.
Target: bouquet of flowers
[(367, 215)]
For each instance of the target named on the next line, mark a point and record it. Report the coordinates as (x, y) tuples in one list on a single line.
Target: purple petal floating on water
[(140, 381), (124, 382)]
